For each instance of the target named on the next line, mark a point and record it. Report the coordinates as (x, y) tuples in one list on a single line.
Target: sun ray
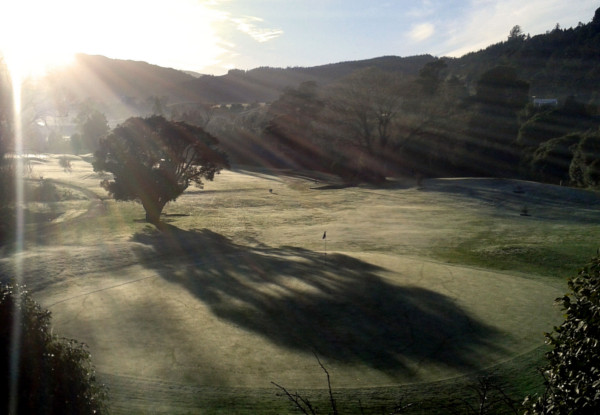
[(16, 79)]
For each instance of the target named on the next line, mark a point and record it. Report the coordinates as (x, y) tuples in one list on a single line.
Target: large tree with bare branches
[(154, 160)]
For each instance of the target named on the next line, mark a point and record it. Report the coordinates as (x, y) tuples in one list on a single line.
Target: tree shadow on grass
[(333, 305)]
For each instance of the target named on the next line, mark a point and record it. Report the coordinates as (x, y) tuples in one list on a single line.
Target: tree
[(154, 160), (516, 34), (583, 170), (76, 145), (93, 129), (488, 396), (92, 125), (572, 376), (495, 125), (368, 102), (290, 131), (304, 405), (363, 110), (43, 374), (430, 127), (552, 159), (501, 88), (198, 114), (157, 104), (430, 76), (539, 135)]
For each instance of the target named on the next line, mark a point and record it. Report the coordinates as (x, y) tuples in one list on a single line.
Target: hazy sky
[(212, 36)]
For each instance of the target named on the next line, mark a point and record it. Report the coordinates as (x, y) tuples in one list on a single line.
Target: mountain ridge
[(561, 62)]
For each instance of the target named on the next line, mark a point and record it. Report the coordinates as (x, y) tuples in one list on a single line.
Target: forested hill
[(103, 79), (106, 80), (266, 84), (557, 64), (560, 63), (365, 120)]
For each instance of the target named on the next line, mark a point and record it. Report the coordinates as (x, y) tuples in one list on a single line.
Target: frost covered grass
[(412, 290)]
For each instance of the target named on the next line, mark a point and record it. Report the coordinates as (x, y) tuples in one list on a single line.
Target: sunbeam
[(16, 78)]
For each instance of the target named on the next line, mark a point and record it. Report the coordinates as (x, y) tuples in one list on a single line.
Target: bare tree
[(199, 114), (305, 406), (490, 393), (367, 103)]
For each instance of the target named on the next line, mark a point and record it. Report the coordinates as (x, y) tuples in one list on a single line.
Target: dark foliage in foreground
[(572, 375), (53, 375)]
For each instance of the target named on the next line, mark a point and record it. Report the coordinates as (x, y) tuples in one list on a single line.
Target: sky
[(213, 36)]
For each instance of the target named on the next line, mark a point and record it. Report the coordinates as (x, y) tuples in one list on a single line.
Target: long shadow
[(547, 201), (333, 305)]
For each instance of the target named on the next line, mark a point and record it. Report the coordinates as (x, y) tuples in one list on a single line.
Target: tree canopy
[(154, 161), (92, 126), (290, 132)]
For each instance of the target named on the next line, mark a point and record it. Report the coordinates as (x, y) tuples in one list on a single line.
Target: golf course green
[(410, 287)]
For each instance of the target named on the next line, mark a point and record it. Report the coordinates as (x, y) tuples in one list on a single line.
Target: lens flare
[(19, 227)]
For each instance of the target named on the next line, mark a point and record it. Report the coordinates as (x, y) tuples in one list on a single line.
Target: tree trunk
[(153, 210), (152, 217)]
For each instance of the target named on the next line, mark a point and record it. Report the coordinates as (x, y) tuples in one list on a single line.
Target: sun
[(25, 63), (33, 36), (36, 35)]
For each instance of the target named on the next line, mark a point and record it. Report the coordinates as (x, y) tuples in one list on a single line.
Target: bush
[(552, 159), (53, 375), (65, 163), (572, 376), (46, 192), (584, 168)]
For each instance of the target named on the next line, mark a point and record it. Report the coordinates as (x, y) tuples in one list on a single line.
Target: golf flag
[(324, 234)]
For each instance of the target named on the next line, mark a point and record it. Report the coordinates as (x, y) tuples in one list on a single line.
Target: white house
[(543, 102)]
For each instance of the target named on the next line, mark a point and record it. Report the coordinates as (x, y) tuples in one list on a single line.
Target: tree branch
[(331, 399), (298, 401)]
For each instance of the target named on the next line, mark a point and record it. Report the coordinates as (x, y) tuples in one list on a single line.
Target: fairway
[(411, 285)]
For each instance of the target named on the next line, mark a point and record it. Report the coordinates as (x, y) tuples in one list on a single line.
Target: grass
[(534, 249), (414, 293)]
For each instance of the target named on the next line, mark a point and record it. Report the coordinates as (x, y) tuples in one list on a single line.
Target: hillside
[(561, 62), (266, 84), (119, 88), (103, 78), (130, 82)]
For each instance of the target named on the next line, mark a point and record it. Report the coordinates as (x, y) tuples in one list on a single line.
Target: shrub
[(552, 159), (65, 163), (572, 376), (53, 375), (584, 168), (46, 192)]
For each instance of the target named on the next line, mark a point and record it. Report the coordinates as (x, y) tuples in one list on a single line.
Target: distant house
[(545, 102)]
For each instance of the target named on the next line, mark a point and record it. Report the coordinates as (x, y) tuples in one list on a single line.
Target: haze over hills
[(106, 80), (559, 63), (266, 84)]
